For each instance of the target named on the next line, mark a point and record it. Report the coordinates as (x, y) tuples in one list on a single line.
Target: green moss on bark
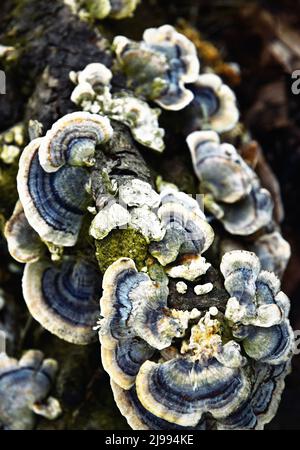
[(121, 243)]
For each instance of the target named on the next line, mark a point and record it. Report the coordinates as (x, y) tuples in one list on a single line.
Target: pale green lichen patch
[(121, 243)]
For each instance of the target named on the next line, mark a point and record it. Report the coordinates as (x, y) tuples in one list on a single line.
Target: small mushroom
[(170, 194), (249, 214), (64, 298), (201, 289), (144, 220), (216, 101), (24, 390), (72, 140), (54, 203), (84, 95), (181, 287), (159, 66), (175, 45), (24, 244)]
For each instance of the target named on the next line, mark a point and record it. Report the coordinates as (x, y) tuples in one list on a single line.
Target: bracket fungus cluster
[(52, 178), (193, 325), (24, 390), (187, 233), (234, 192), (93, 93), (60, 290), (175, 369), (134, 207), (159, 67)]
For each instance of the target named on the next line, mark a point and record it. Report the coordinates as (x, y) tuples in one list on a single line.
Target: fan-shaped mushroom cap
[(273, 345), (240, 202), (136, 318), (64, 299), (249, 214), (240, 269), (220, 169), (180, 391), (124, 358), (217, 102), (54, 203), (134, 305), (24, 385), (175, 46), (73, 139), (23, 242), (186, 233), (273, 251), (110, 217), (144, 220), (256, 298), (82, 94), (170, 194), (263, 403), (159, 66), (138, 417)]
